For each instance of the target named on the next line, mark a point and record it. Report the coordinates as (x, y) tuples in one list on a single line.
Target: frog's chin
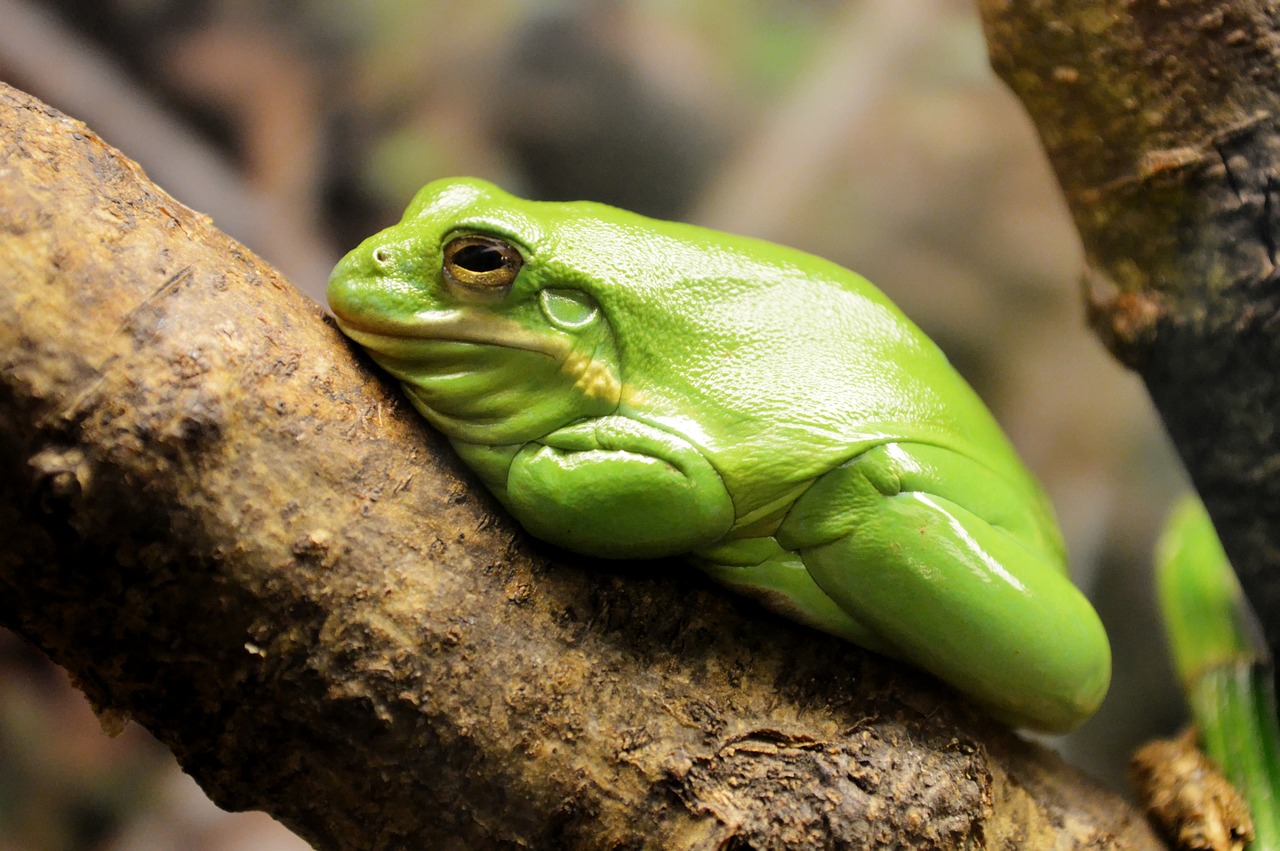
[(485, 379)]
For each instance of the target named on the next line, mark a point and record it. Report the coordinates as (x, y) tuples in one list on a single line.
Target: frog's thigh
[(952, 593), (778, 579)]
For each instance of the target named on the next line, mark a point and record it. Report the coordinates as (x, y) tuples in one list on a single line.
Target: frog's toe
[(778, 580)]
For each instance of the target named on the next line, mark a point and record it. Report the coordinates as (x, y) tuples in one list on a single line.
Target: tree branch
[(1160, 119), (228, 530)]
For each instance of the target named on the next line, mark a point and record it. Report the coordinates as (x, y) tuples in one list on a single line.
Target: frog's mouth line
[(453, 327), (400, 340)]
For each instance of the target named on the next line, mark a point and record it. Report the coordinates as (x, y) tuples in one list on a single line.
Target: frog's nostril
[(381, 255)]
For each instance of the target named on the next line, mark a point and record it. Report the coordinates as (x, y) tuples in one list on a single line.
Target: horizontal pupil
[(479, 258)]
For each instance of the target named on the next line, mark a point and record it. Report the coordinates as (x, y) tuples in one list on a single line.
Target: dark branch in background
[(226, 529), (1160, 119)]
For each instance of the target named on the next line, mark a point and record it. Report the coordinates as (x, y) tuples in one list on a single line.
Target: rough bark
[(1160, 119), (228, 529)]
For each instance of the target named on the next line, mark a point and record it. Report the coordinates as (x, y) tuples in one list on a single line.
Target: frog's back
[(780, 364)]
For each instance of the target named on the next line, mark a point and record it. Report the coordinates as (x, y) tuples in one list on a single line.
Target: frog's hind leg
[(922, 546), (778, 579)]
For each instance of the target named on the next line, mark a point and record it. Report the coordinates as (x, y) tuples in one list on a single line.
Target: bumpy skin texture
[(634, 388)]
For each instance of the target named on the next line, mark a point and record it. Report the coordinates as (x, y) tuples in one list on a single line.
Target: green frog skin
[(635, 388)]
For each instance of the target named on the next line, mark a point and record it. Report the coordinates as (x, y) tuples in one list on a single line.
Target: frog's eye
[(481, 263)]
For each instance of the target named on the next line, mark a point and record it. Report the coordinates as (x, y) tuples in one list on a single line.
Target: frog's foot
[(778, 579), (926, 548)]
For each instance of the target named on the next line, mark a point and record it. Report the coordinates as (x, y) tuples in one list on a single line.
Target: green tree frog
[(635, 388)]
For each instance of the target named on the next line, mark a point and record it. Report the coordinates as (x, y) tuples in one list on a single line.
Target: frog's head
[(460, 302)]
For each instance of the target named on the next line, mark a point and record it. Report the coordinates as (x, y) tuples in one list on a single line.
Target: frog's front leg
[(611, 487), (929, 550)]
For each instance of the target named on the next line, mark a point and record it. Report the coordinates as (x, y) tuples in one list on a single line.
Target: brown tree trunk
[(228, 529), (1161, 118)]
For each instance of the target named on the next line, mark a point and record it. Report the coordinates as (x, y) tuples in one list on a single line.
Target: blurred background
[(869, 131)]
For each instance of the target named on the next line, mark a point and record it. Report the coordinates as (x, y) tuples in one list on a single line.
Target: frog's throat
[(592, 377)]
